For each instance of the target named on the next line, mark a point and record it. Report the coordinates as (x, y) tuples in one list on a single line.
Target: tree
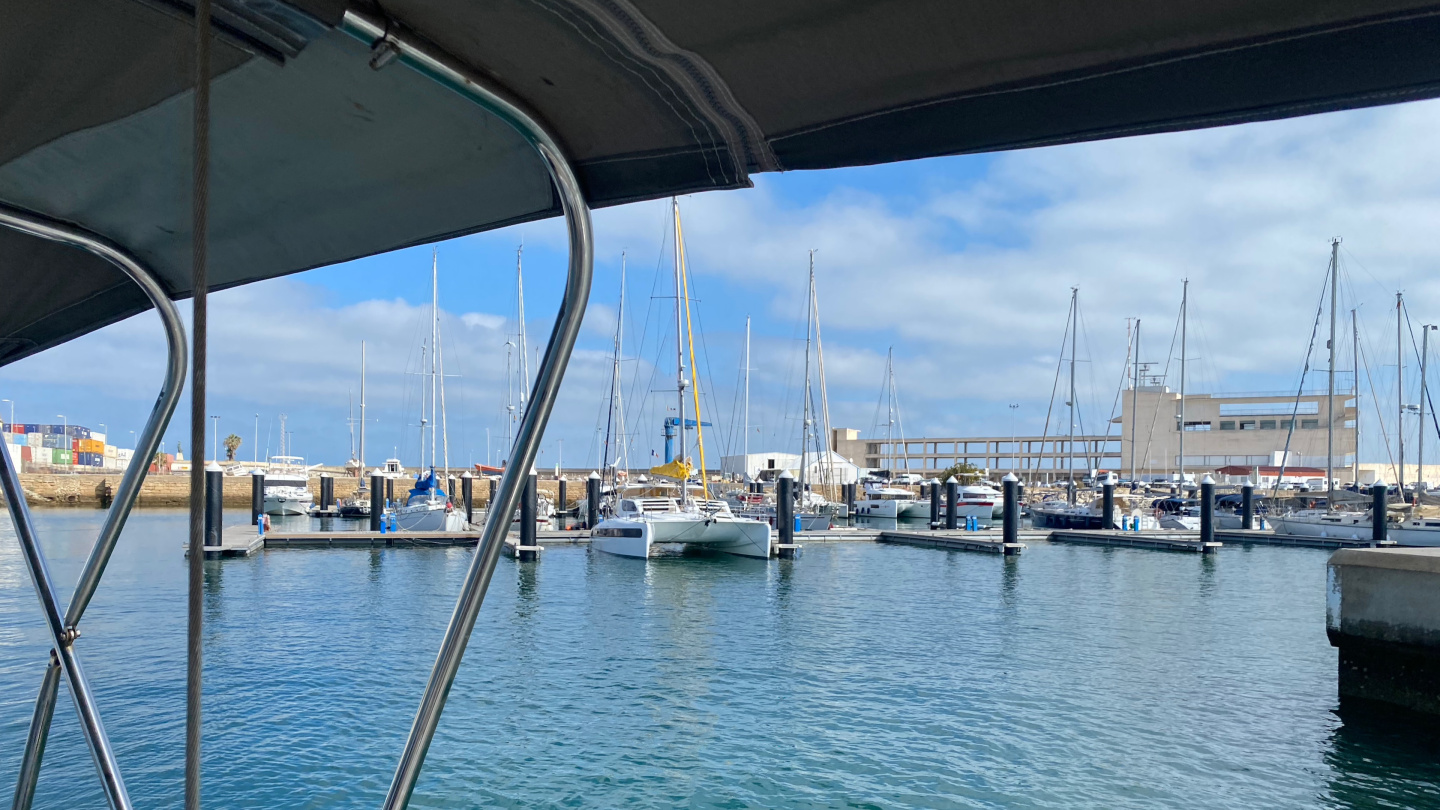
[(962, 472), (232, 443)]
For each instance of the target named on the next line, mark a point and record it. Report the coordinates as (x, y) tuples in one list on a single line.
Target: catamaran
[(635, 525), (287, 489)]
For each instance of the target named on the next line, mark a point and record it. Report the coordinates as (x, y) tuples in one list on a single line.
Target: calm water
[(858, 676)]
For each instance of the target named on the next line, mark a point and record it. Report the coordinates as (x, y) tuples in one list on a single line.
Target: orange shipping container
[(90, 446)]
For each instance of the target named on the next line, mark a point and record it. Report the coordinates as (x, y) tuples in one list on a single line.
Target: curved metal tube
[(422, 57), (62, 628), (149, 441)]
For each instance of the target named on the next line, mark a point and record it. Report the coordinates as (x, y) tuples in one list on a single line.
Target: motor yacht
[(287, 489)]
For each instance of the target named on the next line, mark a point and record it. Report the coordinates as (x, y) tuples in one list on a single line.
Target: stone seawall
[(85, 489)]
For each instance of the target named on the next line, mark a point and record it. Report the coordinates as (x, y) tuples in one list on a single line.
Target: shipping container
[(52, 441), (34, 439), (89, 446), (31, 428), (20, 429), (97, 436), (63, 458), (124, 453), (110, 451)]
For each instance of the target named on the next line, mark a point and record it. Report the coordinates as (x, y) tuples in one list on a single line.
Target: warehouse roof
[(318, 158)]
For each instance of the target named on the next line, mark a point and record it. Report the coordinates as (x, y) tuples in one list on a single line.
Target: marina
[(1198, 573)]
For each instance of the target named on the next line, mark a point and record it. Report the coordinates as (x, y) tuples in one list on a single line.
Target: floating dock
[(1158, 541), (1265, 537), (985, 542)]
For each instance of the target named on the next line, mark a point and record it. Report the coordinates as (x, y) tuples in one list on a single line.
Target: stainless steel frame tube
[(423, 57), (149, 440), (63, 628), (39, 733)]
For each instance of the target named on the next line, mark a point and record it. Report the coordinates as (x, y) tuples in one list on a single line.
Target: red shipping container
[(25, 452)]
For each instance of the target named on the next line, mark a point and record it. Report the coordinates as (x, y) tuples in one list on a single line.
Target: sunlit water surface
[(858, 676)]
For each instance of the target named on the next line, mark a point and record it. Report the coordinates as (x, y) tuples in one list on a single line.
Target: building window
[(1247, 425), (1193, 426), (1227, 425), (872, 463), (1285, 424), (1309, 424), (1267, 424), (872, 447)]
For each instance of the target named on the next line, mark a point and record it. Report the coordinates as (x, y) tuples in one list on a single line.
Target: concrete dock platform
[(1382, 612), (1266, 537), (1159, 541), (987, 542), (233, 543)]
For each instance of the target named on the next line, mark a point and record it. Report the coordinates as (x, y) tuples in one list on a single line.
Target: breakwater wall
[(87, 490)]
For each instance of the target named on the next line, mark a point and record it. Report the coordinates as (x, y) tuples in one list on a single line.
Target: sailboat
[(881, 499), (427, 508), (358, 505), (636, 524)]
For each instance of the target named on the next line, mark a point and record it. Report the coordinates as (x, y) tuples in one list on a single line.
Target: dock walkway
[(1166, 541)]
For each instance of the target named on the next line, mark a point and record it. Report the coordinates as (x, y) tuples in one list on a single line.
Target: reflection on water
[(858, 675)]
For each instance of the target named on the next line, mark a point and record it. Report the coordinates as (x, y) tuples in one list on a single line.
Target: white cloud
[(968, 279)]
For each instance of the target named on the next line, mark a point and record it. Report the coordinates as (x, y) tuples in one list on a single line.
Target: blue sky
[(963, 265)]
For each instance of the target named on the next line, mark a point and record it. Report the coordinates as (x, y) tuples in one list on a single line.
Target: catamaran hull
[(985, 510), (915, 510), (635, 538), (883, 509)]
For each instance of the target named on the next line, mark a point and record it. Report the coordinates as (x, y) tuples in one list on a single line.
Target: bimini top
[(319, 158)]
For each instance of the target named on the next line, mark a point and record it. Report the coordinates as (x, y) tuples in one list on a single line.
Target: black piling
[(491, 500), (452, 490), (935, 503), (257, 497), (467, 496), (1011, 515), (952, 492), (592, 500), (1107, 506), (1379, 514), (785, 510), (1207, 510), (327, 492), (377, 501), (850, 498), (1247, 505), (561, 501), (389, 491), (214, 503), (527, 519)]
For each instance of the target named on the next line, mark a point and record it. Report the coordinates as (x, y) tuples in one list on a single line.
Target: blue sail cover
[(424, 483)]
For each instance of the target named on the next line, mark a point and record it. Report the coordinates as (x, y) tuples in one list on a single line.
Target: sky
[(962, 266)]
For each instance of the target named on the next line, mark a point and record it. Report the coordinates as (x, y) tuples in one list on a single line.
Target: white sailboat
[(636, 525), (881, 499), (427, 508)]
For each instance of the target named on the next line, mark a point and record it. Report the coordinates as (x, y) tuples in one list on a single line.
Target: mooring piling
[(528, 550), (467, 495), (327, 492), (1247, 505), (592, 500), (1207, 511), (257, 496), (785, 515), (1379, 513), (934, 503), (1107, 506), (562, 502), (214, 503), (952, 494), (377, 501), (1010, 517)]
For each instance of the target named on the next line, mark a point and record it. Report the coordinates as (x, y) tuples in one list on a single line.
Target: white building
[(767, 466)]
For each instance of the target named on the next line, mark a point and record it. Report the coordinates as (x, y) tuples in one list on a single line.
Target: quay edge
[(1382, 613)]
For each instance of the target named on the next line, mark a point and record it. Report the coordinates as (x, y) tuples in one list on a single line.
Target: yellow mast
[(694, 370)]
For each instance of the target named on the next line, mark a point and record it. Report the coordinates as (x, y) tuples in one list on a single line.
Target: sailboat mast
[(679, 352), (805, 392), (434, 347), (1135, 406), (1184, 329), (890, 401), (745, 445), (1399, 394), (1074, 333), (509, 399), (362, 413), (827, 466), (1424, 391), (1355, 337), (1330, 395)]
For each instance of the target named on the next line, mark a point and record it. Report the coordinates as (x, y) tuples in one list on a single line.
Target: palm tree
[(232, 443)]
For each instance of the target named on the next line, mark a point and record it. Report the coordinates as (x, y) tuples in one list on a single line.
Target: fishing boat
[(635, 525)]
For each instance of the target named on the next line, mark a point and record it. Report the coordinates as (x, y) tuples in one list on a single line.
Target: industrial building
[(1220, 430)]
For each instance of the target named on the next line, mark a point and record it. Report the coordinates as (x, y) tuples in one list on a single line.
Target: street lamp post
[(11, 423)]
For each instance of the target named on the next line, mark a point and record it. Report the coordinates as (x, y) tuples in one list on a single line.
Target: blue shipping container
[(76, 432), (29, 428), (55, 430), (54, 441), (97, 459)]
